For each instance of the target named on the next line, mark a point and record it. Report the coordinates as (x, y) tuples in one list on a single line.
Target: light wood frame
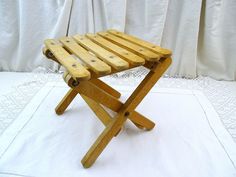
[(97, 93)]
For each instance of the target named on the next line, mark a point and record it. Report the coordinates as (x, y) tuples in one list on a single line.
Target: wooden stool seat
[(88, 57)]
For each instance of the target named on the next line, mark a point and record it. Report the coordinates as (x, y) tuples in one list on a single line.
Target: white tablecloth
[(188, 140)]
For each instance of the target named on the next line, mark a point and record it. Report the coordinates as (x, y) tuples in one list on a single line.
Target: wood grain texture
[(65, 102), (154, 48), (141, 121), (100, 112), (92, 91), (95, 64), (114, 61), (138, 50), (102, 85), (130, 57), (103, 54), (76, 70), (132, 102)]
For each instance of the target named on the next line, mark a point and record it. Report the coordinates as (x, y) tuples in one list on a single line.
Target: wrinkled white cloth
[(189, 139), (24, 25), (201, 33)]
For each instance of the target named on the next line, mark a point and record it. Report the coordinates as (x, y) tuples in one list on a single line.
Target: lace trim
[(222, 94), (12, 103)]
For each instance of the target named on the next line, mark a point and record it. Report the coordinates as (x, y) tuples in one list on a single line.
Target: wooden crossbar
[(88, 57)]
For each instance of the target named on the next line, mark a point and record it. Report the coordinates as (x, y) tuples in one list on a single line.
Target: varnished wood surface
[(88, 57), (155, 48), (137, 49), (114, 126), (76, 70), (108, 57), (130, 57), (95, 55)]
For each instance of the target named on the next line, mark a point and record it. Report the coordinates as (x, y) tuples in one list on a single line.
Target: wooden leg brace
[(96, 92)]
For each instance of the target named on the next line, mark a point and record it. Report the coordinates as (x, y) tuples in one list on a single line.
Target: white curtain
[(217, 40), (201, 33), (23, 27)]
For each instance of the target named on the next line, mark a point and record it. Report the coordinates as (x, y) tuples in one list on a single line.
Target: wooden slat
[(138, 50), (133, 59), (108, 57), (155, 48), (76, 70), (64, 103), (98, 66)]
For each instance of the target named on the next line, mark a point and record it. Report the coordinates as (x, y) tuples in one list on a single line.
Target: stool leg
[(133, 101), (64, 103), (98, 110), (99, 145), (141, 121)]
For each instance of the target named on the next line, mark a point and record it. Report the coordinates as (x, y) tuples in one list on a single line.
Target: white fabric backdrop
[(23, 27), (202, 34), (217, 40)]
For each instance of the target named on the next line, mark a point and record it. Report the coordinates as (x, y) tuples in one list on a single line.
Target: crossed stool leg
[(96, 92)]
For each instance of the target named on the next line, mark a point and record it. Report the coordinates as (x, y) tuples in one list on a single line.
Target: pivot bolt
[(127, 114)]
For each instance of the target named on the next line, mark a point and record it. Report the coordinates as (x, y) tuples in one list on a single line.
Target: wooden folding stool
[(88, 57)]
